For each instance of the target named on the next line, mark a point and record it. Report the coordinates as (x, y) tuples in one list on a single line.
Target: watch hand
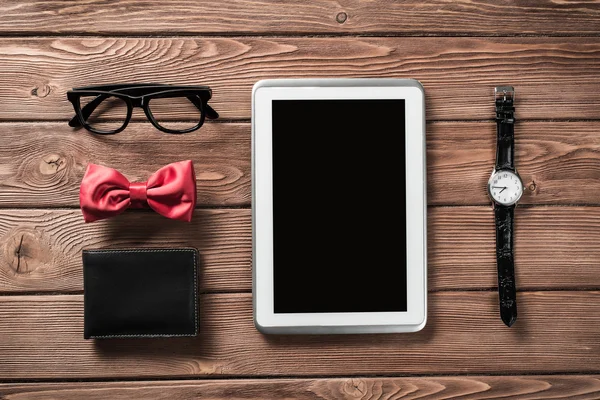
[(503, 189)]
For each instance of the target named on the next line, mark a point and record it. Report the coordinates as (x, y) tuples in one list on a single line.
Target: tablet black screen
[(339, 208)]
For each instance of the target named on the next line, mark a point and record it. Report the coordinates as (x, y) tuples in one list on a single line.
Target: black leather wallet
[(140, 293)]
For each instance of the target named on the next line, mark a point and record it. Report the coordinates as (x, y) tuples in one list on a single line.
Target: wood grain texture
[(42, 164), (581, 387), (559, 162), (548, 49), (458, 74), (41, 249), (552, 245), (556, 332), (555, 247), (273, 16)]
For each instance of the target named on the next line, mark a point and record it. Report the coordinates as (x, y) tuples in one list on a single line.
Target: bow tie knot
[(138, 195), (170, 191)]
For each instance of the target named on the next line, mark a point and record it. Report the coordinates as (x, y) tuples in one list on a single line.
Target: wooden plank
[(555, 247), (556, 332), (552, 245), (581, 387), (272, 16), (42, 248), (458, 74), (43, 163), (558, 162)]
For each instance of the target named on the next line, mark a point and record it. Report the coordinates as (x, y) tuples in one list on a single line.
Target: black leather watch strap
[(505, 119), (506, 264)]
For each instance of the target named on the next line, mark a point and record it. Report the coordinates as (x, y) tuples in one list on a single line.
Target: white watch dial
[(505, 187)]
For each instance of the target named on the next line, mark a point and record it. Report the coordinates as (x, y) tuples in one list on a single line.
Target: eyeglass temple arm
[(87, 110), (210, 112)]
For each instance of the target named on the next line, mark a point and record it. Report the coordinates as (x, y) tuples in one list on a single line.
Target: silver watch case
[(489, 187)]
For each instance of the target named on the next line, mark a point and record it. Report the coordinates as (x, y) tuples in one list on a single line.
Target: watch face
[(505, 187)]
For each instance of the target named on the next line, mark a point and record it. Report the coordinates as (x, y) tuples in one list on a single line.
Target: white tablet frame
[(266, 320)]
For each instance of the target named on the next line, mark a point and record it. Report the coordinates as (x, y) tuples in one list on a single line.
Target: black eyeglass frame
[(138, 95)]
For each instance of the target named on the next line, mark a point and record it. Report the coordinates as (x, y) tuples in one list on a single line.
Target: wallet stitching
[(195, 267)]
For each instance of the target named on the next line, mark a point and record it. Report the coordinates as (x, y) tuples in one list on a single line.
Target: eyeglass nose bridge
[(137, 102)]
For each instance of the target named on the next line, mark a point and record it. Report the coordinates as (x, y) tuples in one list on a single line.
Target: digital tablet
[(339, 206)]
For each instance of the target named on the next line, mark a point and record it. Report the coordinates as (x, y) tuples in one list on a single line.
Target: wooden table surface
[(548, 50)]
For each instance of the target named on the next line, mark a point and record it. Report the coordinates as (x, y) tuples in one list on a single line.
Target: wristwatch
[(505, 188)]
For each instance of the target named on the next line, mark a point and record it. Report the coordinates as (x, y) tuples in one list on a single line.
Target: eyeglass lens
[(106, 113), (175, 113)]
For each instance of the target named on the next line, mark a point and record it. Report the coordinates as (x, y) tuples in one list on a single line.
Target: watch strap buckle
[(505, 96)]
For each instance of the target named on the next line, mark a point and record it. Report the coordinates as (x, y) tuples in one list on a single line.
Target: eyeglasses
[(107, 109)]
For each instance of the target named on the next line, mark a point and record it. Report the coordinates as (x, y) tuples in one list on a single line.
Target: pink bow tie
[(170, 191)]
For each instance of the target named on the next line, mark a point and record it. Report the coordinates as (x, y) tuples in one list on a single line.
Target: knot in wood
[(51, 164), (41, 91), (22, 251)]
